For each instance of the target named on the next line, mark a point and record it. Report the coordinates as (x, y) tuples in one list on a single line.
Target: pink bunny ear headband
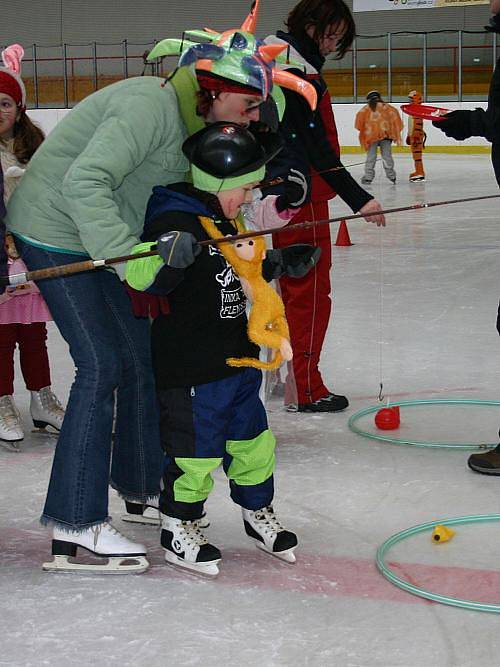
[(10, 75)]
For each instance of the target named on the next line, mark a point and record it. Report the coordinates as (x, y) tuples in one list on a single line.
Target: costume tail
[(256, 363)]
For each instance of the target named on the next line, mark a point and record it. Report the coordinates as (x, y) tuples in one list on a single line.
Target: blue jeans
[(111, 351)]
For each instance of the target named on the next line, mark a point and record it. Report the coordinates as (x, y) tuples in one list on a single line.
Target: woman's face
[(8, 115), (239, 108), (327, 43), (231, 200)]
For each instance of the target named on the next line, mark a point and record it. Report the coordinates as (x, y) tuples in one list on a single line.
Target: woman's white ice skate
[(268, 534), (103, 541), (186, 546), (148, 513)]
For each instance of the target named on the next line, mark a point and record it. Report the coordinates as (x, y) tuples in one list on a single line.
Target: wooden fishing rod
[(279, 179), (91, 264)]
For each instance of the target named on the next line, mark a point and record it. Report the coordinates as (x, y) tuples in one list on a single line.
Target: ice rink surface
[(415, 308)]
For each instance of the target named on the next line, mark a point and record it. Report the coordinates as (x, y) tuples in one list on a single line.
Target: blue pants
[(209, 424), (111, 352)]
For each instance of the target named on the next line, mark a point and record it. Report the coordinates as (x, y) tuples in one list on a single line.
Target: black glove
[(456, 124), (178, 249), (295, 191), (294, 261)]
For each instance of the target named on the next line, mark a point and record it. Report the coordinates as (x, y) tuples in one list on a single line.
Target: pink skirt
[(24, 304)]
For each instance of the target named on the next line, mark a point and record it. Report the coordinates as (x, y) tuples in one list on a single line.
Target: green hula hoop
[(420, 443), (421, 592)]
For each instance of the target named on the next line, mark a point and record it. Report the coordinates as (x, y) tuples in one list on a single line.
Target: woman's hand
[(371, 213)]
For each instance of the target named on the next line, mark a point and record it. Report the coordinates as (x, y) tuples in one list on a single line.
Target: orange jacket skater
[(416, 139), (379, 124)]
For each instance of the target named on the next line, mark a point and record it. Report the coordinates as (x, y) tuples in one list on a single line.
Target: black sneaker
[(330, 403), (487, 463), (392, 180), (365, 181)]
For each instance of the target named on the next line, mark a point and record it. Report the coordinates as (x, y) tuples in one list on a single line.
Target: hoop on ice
[(421, 592), (421, 443)]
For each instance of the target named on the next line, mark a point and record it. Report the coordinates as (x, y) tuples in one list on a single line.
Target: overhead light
[(372, 66), (477, 60)]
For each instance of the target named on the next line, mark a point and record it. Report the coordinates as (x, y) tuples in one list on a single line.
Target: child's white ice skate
[(11, 432), (186, 546), (121, 555), (46, 410), (268, 534)]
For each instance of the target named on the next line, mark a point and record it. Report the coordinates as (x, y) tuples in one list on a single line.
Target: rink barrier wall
[(345, 114)]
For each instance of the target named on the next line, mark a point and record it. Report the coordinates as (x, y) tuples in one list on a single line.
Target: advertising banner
[(378, 5)]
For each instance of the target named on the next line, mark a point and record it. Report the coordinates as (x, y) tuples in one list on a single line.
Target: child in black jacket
[(211, 413)]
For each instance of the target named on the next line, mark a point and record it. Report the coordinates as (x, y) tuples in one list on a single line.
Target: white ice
[(415, 308)]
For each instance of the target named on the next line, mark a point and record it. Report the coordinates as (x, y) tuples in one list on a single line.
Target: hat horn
[(270, 52), (250, 23), (298, 85)]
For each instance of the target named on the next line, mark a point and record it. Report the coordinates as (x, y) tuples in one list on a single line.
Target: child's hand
[(178, 249)]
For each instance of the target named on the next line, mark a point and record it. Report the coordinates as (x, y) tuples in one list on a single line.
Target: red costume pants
[(308, 304), (33, 356)]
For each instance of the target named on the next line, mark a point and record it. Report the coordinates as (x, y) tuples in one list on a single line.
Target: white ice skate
[(11, 431), (268, 534), (46, 410), (186, 546), (148, 513), (104, 541)]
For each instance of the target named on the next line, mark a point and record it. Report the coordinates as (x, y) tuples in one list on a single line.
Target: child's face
[(231, 200), (8, 116)]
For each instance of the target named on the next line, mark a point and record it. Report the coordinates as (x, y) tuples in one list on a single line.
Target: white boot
[(185, 545), (11, 431), (45, 409), (103, 541), (149, 513), (268, 534)]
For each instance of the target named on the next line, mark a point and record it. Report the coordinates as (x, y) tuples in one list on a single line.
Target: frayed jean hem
[(70, 527), (143, 498)]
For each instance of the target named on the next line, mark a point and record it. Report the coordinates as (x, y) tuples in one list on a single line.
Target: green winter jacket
[(87, 186)]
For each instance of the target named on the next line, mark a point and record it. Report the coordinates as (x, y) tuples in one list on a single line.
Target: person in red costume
[(316, 28)]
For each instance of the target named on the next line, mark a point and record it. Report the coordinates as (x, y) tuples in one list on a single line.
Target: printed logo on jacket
[(233, 300)]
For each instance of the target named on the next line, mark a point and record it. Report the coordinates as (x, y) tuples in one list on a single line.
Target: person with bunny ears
[(23, 312)]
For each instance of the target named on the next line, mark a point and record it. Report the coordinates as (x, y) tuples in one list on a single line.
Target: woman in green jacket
[(85, 195)]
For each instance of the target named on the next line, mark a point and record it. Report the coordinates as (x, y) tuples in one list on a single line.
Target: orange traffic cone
[(343, 235)]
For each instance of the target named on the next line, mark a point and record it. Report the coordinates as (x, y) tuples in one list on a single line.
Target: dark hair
[(27, 138), (204, 102), (321, 14)]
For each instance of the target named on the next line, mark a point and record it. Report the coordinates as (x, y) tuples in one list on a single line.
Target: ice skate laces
[(96, 531), (267, 520), (50, 401), (191, 532)]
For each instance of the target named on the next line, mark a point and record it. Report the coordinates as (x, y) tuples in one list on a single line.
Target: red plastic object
[(343, 238), (424, 111), (388, 419)]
